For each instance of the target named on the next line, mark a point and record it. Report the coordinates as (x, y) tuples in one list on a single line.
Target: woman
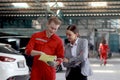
[(103, 51), (76, 56)]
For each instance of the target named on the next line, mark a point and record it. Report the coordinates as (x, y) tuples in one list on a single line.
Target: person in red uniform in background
[(103, 50), (49, 43)]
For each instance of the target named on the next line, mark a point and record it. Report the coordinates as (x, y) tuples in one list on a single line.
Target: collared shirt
[(74, 47), (51, 46)]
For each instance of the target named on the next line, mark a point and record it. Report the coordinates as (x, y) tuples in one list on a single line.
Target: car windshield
[(8, 50)]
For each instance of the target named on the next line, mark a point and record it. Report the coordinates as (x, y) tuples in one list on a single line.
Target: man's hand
[(47, 58), (52, 63), (41, 53)]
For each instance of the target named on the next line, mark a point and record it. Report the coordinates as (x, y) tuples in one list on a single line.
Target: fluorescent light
[(104, 71), (98, 65), (10, 40), (98, 4), (55, 4), (20, 5), (58, 11)]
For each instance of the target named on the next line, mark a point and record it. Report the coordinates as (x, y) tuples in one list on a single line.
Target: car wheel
[(58, 68)]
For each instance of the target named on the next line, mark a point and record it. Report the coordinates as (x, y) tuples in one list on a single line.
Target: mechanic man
[(45, 43)]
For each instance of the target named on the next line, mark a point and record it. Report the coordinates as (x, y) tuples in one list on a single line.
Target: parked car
[(29, 58), (16, 42), (12, 64)]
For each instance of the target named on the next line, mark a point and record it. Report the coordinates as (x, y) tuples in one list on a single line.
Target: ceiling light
[(98, 4), (20, 5), (58, 11), (55, 4)]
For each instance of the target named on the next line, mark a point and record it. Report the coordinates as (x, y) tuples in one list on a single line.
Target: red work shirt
[(51, 46), (103, 48)]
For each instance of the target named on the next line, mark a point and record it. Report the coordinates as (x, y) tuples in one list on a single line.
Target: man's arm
[(60, 53), (34, 53)]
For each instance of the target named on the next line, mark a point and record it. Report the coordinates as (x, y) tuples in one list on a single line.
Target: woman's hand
[(65, 60)]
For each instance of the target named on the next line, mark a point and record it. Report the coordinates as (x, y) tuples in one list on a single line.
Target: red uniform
[(103, 48), (51, 46)]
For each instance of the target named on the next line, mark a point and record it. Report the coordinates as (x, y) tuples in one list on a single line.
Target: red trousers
[(42, 71), (103, 57)]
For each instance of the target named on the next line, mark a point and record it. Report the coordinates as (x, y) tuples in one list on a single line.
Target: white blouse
[(74, 47)]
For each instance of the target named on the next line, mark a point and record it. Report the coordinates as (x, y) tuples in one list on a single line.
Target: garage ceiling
[(71, 8)]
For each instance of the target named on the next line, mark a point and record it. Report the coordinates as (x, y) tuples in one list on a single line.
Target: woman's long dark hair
[(103, 41), (73, 28)]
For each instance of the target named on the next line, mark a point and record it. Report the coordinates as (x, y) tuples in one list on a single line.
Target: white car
[(12, 64)]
